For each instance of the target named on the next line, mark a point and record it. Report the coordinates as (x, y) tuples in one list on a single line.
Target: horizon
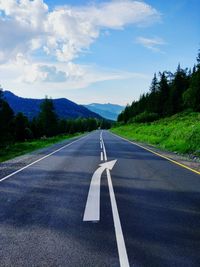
[(73, 51), (49, 97)]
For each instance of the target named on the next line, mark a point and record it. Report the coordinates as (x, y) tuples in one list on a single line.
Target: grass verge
[(18, 149), (179, 133)]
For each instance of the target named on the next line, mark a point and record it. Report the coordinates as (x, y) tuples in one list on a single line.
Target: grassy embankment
[(18, 149), (179, 133)]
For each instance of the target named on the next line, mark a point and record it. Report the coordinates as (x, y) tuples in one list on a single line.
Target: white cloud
[(60, 76), (38, 45), (72, 75), (43, 73), (151, 43), (66, 31), (25, 12)]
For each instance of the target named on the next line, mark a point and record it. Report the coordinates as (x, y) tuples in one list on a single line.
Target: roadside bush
[(145, 117)]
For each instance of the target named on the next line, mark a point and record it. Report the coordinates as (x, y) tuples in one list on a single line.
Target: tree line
[(18, 128), (169, 94)]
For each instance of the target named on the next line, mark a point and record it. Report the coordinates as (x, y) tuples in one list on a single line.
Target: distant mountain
[(108, 111), (64, 107)]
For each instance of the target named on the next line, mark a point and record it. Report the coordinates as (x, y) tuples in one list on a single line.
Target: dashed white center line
[(101, 145), (101, 156), (104, 151)]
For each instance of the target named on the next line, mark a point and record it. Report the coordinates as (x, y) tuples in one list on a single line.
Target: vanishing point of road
[(99, 201)]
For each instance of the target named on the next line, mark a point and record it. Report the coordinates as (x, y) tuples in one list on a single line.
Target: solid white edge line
[(123, 257), (48, 155)]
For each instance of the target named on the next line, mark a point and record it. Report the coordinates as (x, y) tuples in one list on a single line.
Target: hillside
[(64, 107), (108, 111), (180, 133)]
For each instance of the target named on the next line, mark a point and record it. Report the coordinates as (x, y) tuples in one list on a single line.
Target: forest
[(18, 128), (169, 94)]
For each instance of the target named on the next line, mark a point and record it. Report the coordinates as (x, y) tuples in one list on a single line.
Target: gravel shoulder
[(12, 165)]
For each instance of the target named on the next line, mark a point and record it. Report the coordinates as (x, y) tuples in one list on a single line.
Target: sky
[(94, 51)]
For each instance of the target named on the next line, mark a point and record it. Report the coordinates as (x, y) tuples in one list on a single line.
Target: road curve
[(149, 209)]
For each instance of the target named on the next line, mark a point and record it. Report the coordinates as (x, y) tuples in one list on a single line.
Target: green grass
[(179, 133), (18, 149)]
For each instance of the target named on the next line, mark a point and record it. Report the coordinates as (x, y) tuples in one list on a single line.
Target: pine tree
[(154, 84), (22, 130), (6, 121), (47, 119), (179, 85), (191, 97), (163, 95)]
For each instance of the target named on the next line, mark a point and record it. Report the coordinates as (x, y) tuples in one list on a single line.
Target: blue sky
[(94, 51)]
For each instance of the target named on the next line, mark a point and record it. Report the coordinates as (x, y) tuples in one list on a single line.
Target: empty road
[(99, 201)]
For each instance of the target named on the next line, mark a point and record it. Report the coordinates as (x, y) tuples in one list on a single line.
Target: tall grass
[(180, 133)]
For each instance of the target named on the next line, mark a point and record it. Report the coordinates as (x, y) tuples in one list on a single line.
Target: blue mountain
[(108, 111), (63, 107)]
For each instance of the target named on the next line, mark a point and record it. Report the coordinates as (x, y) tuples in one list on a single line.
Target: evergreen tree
[(6, 121), (191, 97), (154, 84), (92, 124), (152, 97), (22, 130), (47, 119), (171, 94), (163, 95), (178, 87)]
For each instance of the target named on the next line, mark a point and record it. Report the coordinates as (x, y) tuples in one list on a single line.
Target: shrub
[(146, 117)]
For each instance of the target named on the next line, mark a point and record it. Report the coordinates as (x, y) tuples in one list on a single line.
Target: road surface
[(100, 201)]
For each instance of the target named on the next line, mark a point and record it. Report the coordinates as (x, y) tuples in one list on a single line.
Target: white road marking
[(92, 208), (101, 156), (101, 145), (123, 257), (104, 151), (101, 135), (25, 167)]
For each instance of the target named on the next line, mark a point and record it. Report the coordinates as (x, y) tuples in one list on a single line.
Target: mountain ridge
[(108, 110), (64, 107)]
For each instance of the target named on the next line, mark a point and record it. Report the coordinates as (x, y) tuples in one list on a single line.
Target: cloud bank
[(29, 28)]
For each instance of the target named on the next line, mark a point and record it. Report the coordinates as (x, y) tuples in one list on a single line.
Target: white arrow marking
[(92, 208)]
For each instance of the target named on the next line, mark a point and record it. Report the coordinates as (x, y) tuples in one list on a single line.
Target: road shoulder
[(19, 162), (189, 161)]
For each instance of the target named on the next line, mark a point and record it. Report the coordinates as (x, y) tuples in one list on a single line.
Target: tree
[(163, 95), (92, 124), (62, 126), (191, 97), (6, 121), (154, 84), (22, 130), (179, 86), (47, 118)]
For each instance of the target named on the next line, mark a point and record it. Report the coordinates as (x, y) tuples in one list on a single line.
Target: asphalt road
[(151, 219)]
